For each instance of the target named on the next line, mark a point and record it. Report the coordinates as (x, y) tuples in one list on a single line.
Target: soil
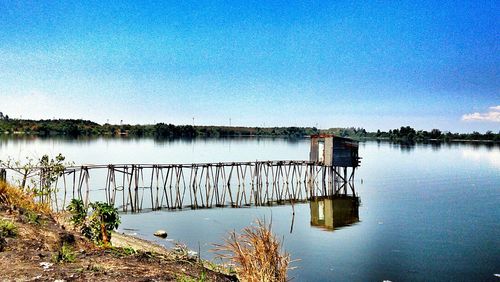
[(31, 256)]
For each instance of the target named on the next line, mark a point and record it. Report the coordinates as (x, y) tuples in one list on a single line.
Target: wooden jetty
[(135, 187)]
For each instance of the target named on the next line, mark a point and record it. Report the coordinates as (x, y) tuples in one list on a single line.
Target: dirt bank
[(36, 254)]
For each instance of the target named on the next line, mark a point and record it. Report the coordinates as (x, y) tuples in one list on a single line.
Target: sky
[(370, 64)]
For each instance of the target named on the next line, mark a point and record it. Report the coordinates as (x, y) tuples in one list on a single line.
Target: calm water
[(427, 212)]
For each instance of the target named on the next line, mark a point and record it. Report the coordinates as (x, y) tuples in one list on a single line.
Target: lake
[(427, 211)]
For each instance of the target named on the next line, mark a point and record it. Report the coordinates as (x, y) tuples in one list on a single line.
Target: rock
[(161, 233)]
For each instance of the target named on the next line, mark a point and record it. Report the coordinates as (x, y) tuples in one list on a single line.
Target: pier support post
[(3, 175)]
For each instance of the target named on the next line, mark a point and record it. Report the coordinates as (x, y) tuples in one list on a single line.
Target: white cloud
[(493, 115)]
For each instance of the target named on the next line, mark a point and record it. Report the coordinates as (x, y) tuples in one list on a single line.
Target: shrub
[(256, 253), (78, 212), (12, 196), (7, 228), (96, 225)]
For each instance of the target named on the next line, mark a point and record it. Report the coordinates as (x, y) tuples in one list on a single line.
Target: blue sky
[(371, 64)]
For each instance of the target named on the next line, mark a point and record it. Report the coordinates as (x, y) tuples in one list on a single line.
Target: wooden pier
[(135, 187)]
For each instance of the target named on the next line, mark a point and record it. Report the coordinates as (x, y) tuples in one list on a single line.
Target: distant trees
[(406, 133), (354, 132), (162, 130), (68, 127), (75, 128)]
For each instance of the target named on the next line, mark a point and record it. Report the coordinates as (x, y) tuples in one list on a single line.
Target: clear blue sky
[(372, 64)]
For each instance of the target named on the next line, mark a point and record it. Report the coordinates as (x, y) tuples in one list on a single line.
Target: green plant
[(50, 170), (103, 220), (122, 252), (95, 268), (96, 225), (7, 228), (78, 212), (185, 278), (32, 217), (203, 276), (65, 254), (128, 251)]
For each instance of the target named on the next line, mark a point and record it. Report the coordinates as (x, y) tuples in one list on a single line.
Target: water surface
[(428, 212)]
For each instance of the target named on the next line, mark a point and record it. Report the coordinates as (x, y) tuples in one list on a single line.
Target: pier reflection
[(333, 212)]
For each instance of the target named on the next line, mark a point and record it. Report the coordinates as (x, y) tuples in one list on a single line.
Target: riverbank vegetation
[(77, 127), (48, 249), (256, 254), (96, 222)]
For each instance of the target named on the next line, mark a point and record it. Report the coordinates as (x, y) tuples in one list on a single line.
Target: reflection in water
[(492, 156), (332, 212)]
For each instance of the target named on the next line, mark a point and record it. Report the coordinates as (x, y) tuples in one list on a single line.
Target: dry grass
[(13, 196), (256, 253)]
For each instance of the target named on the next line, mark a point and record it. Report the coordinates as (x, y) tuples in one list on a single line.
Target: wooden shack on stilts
[(339, 158)]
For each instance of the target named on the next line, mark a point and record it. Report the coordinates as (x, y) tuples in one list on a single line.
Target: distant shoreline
[(80, 128)]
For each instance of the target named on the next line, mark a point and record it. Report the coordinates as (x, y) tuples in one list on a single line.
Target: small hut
[(331, 150)]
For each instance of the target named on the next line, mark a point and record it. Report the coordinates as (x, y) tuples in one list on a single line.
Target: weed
[(256, 254), (185, 278), (121, 252), (128, 251), (7, 228), (65, 254), (33, 218), (12, 196), (95, 268), (203, 276)]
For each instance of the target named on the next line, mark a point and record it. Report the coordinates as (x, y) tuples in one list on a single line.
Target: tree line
[(406, 133), (78, 127)]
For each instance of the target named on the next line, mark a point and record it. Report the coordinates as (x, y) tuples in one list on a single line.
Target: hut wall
[(344, 154), (313, 155), (328, 151)]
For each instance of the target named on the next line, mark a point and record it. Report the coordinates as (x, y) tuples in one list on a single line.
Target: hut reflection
[(332, 212)]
